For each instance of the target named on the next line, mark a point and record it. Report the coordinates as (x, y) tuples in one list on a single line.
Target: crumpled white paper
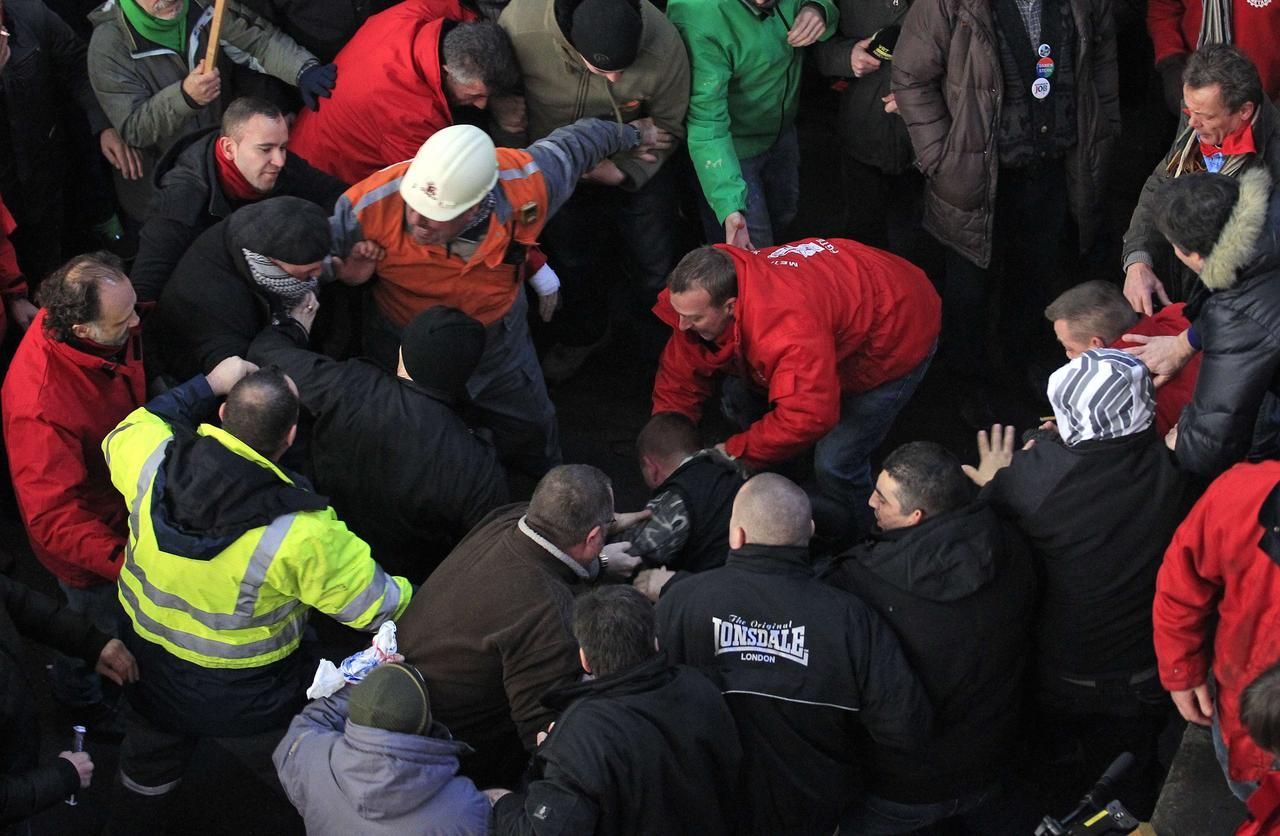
[(330, 678)]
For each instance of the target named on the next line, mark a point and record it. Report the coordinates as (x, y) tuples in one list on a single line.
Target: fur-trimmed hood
[(1250, 239)]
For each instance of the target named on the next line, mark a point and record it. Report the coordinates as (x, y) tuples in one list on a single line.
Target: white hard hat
[(452, 171)]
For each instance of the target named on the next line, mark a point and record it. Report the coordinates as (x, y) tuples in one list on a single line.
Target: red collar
[(1240, 142), (232, 181)]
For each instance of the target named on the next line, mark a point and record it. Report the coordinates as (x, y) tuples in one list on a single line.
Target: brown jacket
[(948, 85), (492, 631)]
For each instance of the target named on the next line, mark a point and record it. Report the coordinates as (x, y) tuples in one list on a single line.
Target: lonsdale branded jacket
[(807, 669)]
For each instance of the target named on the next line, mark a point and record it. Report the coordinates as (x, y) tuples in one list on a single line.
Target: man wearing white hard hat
[(456, 226)]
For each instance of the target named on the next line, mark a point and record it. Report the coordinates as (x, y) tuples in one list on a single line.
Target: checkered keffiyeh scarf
[(274, 280), (1104, 393)]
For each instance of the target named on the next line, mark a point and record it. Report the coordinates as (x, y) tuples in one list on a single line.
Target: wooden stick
[(215, 32)]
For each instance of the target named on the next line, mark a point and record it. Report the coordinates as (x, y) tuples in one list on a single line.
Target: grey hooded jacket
[(345, 778)]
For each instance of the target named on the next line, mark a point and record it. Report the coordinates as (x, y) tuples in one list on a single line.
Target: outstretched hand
[(995, 452)]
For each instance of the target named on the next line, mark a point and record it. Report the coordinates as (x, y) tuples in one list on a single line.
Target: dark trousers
[(886, 210), (612, 250), (1030, 220)]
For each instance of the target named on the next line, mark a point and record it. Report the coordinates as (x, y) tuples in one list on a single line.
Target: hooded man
[(1098, 510), (239, 273), (373, 759), (1227, 231)]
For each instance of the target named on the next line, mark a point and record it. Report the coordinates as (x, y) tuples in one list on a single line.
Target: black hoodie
[(959, 591)]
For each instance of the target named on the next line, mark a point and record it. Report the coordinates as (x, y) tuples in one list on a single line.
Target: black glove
[(316, 81), (1170, 70)]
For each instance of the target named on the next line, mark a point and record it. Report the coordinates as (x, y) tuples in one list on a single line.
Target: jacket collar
[(92, 362), (646, 676), (946, 558), (552, 549), (775, 560), (1243, 234)]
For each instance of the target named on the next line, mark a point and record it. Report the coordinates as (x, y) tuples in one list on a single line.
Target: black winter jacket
[(807, 671), (210, 309), (25, 788), (652, 749), (1099, 516), (959, 592), (46, 71), (1239, 329), (188, 200), (403, 470), (867, 133)]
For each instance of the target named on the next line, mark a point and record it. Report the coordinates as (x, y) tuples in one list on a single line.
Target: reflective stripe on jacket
[(413, 277), (246, 606)]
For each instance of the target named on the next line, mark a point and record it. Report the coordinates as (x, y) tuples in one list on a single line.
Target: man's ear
[(293, 435), (731, 305), (1096, 342), (737, 537), (222, 412), (582, 657), (227, 147), (80, 331)]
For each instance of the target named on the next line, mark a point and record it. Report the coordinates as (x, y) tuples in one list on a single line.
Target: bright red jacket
[(1264, 809), (11, 281), (1216, 564), (814, 320), (1175, 394), (389, 98), (59, 403), (1255, 28)]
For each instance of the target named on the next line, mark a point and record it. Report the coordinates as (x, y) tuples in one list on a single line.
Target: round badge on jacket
[(1040, 88)]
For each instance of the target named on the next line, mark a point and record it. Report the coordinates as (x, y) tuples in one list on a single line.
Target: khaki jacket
[(559, 89)]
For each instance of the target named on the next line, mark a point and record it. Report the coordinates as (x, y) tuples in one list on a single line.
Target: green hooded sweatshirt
[(746, 86)]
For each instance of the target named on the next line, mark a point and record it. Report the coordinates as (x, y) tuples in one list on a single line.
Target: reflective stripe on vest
[(242, 617)]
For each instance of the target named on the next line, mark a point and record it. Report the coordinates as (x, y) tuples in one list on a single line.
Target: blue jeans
[(875, 816), (842, 459), (72, 680), (773, 193)]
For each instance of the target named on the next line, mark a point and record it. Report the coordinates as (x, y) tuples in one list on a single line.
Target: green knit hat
[(392, 697)]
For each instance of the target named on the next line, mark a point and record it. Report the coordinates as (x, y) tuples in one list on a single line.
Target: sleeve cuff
[(1193, 337), (545, 282), (1138, 257)]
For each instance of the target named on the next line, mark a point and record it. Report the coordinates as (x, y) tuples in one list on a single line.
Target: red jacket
[(59, 403), (814, 320), (1215, 564), (11, 281), (1255, 28), (1264, 809), (389, 98), (1174, 395)]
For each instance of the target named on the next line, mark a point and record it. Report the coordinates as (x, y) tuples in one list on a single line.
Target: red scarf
[(230, 178), (1240, 142)]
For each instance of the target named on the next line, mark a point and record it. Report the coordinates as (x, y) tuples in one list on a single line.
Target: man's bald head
[(771, 510)]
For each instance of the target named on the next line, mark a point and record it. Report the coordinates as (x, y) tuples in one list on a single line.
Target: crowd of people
[(368, 235)]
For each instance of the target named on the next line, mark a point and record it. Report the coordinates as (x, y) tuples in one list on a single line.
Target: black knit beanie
[(288, 229), (441, 348), (392, 697), (606, 32)]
